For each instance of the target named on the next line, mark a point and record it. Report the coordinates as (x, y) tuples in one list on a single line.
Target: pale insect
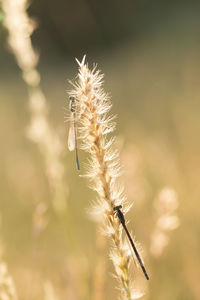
[(72, 137)]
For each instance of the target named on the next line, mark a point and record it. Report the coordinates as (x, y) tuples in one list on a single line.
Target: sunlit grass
[(158, 129)]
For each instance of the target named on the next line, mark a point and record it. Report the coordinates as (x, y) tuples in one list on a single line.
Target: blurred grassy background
[(149, 52)]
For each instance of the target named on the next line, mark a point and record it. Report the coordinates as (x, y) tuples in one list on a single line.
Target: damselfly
[(72, 137), (121, 218)]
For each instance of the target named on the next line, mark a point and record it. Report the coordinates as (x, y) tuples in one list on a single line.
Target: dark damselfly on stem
[(121, 218)]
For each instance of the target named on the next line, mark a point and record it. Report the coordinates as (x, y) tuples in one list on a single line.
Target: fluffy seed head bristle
[(103, 169)]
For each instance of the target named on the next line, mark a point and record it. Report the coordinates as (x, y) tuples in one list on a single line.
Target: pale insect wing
[(136, 263), (132, 254), (71, 136)]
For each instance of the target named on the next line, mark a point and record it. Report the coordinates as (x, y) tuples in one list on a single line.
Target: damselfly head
[(72, 104), (117, 207)]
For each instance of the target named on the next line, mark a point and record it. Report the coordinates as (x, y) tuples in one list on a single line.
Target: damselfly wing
[(71, 136)]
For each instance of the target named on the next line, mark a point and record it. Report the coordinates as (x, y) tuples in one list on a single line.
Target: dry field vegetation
[(57, 235)]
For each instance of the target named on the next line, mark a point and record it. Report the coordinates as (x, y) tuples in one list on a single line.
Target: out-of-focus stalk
[(7, 287), (20, 28), (166, 205)]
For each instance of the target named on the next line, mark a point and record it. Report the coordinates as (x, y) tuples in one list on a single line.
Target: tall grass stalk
[(7, 286), (100, 267), (20, 28), (93, 105)]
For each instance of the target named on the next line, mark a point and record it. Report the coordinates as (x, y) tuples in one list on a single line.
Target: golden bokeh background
[(149, 52)]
